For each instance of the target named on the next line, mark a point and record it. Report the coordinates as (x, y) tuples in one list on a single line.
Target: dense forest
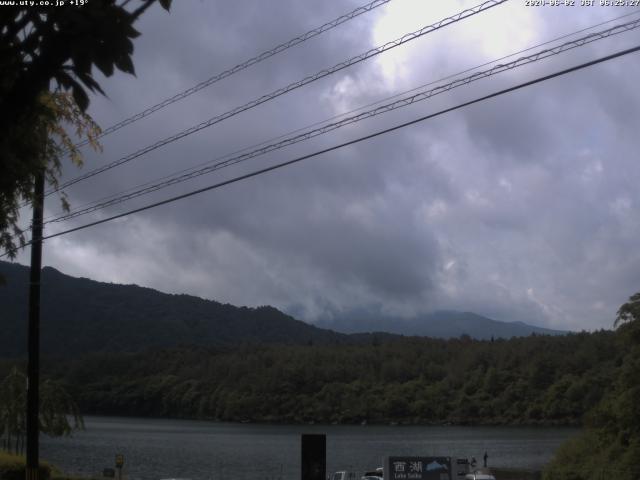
[(533, 380), (609, 445)]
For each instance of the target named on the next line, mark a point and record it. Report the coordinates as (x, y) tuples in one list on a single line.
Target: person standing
[(485, 458)]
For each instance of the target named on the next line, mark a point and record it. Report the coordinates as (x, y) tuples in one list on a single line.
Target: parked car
[(373, 474), (479, 475), (343, 475)]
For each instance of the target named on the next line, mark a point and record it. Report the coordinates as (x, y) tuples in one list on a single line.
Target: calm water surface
[(156, 448)]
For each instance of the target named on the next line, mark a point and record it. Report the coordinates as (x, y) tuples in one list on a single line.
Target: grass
[(12, 467)]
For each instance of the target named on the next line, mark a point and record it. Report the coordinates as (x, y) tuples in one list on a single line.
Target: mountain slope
[(79, 315)]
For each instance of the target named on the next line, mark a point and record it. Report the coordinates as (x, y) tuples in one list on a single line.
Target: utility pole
[(33, 368)]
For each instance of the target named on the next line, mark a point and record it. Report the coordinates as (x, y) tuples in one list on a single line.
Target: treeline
[(609, 445), (550, 380)]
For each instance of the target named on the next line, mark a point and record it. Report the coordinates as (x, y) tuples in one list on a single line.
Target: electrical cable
[(345, 144), (344, 114), (403, 102), (241, 66), (281, 91)]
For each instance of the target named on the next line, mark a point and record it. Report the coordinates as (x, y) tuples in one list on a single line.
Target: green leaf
[(90, 83), (131, 32), (81, 62), (80, 96), (125, 64), (104, 63)]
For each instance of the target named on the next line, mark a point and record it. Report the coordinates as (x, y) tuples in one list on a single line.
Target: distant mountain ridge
[(439, 324), (79, 315)]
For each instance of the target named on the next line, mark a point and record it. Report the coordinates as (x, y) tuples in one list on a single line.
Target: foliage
[(538, 380), (61, 45), (13, 401), (12, 467), (629, 311), (609, 446), (38, 45), (25, 151), (57, 407)]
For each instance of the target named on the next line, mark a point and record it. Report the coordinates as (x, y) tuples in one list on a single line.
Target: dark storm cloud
[(521, 208)]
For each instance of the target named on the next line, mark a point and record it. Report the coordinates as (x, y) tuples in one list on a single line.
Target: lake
[(201, 450)]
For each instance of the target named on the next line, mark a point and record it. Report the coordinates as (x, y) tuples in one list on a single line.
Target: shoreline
[(365, 423)]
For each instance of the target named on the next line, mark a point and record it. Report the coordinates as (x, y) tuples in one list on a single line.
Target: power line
[(52, 218), (403, 102), (133, 191), (345, 144), (281, 91), (241, 66)]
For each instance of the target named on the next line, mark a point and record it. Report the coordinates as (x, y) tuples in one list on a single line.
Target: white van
[(343, 475)]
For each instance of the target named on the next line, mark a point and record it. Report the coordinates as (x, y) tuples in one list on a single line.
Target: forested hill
[(533, 380), (79, 315)]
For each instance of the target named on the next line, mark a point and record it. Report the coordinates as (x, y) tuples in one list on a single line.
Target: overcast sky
[(523, 207)]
